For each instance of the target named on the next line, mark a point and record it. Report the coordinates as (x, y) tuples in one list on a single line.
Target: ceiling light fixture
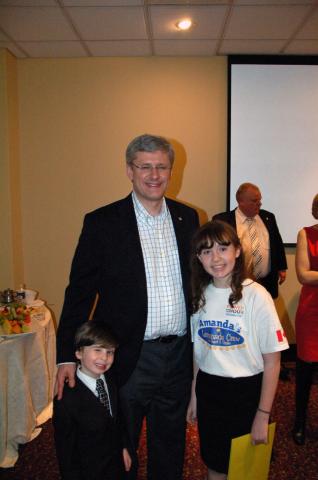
[(184, 24)]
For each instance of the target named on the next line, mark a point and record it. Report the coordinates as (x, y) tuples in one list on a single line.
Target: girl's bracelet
[(263, 411)]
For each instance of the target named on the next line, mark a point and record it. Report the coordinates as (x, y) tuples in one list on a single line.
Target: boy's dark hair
[(94, 333), (223, 234)]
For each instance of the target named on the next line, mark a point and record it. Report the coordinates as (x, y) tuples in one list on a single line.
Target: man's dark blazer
[(109, 262), (88, 440), (277, 252)]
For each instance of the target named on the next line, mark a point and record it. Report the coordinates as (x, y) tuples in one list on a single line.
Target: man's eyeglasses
[(147, 168)]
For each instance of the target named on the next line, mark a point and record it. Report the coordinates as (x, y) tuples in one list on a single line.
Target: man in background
[(134, 255), (259, 236)]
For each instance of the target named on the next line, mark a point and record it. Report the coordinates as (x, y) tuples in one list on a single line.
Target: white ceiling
[(94, 28)]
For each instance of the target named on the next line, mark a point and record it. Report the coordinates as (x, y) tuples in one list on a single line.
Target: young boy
[(87, 431)]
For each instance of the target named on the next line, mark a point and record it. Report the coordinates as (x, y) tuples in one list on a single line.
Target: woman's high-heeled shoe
[(299, 435)]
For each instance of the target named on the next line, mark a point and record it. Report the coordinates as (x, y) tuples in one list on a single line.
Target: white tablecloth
[(27, 374)]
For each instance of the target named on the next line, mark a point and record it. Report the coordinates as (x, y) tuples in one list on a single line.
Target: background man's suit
[(84, 429), (277, 252)]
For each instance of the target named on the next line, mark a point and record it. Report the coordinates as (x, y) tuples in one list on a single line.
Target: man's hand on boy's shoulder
[(65, 374)]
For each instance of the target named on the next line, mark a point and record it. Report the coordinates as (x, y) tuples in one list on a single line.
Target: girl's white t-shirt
[(230, 341)]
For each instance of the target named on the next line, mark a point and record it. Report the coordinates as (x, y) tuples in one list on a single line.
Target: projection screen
[(273, 135)]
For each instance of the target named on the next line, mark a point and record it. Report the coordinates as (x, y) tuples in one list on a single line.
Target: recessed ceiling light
[(184, 24)]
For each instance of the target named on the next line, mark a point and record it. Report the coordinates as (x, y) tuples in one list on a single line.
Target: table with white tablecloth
[(27, 374)]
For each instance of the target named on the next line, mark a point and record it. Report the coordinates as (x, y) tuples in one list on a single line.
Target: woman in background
[(306, 320)]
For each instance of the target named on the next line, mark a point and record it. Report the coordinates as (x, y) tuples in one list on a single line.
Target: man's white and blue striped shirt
[(166, 304)]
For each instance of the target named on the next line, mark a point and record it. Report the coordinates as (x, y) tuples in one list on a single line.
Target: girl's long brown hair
[(223, 234)]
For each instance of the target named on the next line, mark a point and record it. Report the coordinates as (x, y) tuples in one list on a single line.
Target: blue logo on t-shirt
[(220, 334)]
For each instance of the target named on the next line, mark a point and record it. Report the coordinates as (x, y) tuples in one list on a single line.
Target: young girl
[(237, 342)]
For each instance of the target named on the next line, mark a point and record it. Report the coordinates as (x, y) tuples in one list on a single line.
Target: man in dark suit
[(134, 254), (272, 263)]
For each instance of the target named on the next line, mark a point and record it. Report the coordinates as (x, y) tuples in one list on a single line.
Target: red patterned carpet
[(37, 459)]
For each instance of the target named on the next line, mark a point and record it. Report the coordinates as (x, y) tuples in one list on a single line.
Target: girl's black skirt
[(226, 409)]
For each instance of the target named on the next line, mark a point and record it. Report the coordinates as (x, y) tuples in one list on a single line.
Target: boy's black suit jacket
[(88, 440), (109, 262), (277, 252)]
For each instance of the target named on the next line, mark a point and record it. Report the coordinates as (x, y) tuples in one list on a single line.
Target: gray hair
[(243, 188), (148, 143)]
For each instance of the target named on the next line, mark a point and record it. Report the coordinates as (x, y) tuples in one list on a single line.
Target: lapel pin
[(180, 218)]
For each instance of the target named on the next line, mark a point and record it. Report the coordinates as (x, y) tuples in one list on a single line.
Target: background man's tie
[(102, 394), (255, 247)]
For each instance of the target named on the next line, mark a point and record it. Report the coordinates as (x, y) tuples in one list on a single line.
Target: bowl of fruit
[(15, 318)]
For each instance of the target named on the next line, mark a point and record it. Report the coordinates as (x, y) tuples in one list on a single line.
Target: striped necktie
[(102, 394), (255, 247)]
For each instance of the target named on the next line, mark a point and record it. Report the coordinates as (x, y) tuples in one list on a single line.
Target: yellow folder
[(250, 462)]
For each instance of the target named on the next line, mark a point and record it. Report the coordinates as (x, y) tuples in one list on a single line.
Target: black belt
[(167, 339)]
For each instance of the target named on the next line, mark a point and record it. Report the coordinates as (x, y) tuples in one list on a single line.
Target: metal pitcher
[(7, 296)]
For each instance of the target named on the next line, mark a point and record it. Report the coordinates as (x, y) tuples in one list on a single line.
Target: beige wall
[(77, 116), (11, 256)]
